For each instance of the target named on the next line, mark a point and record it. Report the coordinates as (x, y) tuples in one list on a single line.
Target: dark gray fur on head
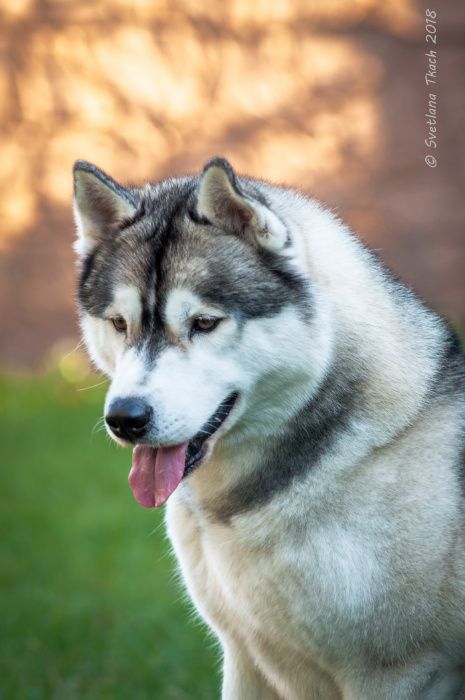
[(166, 242)]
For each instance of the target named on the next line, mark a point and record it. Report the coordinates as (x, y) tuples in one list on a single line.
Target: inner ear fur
[(219, 198), (101, 205), (221, 201)]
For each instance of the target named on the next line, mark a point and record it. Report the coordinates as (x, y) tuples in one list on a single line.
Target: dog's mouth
[(157, 471)]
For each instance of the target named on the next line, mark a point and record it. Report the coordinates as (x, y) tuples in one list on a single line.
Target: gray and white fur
[(322, 535)]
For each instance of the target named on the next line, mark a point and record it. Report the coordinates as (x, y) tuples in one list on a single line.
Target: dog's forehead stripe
[(165, 249), (133, 255)]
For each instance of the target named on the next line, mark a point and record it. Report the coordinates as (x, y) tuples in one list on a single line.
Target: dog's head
[(192, 302)]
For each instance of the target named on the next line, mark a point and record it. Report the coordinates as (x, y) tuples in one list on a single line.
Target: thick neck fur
[(381, 351)]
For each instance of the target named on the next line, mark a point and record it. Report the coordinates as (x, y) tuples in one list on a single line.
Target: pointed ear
[(100, 205), (222, 202)]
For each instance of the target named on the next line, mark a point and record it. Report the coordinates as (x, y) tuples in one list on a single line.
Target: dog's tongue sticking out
[(156, 472)]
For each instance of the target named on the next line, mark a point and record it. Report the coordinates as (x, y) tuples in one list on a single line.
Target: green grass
[(89, 605)]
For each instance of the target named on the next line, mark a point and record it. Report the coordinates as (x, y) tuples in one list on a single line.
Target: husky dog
[(302, 413)]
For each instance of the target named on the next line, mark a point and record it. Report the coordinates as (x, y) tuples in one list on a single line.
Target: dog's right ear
[(101, 205)]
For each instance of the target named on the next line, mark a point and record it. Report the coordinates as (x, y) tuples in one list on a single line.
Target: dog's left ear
[(101, 205), (221, 201)]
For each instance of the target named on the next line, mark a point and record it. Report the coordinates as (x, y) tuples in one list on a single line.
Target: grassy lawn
[(89, 605)]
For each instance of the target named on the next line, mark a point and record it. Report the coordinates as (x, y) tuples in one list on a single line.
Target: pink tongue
[(156, 472)]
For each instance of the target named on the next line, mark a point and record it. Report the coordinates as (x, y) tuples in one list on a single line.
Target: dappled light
[(305, 93), (144, 88)]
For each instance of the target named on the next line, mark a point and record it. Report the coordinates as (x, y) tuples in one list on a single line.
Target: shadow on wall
[(327, 96)]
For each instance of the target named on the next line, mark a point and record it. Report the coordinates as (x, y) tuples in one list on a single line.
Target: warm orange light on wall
[(147, 88)]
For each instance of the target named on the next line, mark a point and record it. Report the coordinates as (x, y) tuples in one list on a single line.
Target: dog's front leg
[(241, 678)]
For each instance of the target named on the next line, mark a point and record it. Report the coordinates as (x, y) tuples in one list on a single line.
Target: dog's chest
[(279, 599)]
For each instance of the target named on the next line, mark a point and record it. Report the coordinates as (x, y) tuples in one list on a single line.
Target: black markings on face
[(132, 255), (164, 247)]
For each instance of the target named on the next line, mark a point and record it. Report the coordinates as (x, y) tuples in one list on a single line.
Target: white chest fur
[(329, 582), (286, 603)]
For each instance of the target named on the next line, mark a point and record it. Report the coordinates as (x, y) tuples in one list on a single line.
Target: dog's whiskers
[(79, 345), (99, 425), (93, 386)]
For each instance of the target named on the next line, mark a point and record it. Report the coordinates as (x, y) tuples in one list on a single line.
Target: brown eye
[(120, 324), (204, 324)]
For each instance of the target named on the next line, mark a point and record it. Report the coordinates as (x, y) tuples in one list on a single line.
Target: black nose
[(128, 418)]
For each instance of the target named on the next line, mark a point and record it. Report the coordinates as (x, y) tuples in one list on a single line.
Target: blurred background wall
[(327, 95)]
